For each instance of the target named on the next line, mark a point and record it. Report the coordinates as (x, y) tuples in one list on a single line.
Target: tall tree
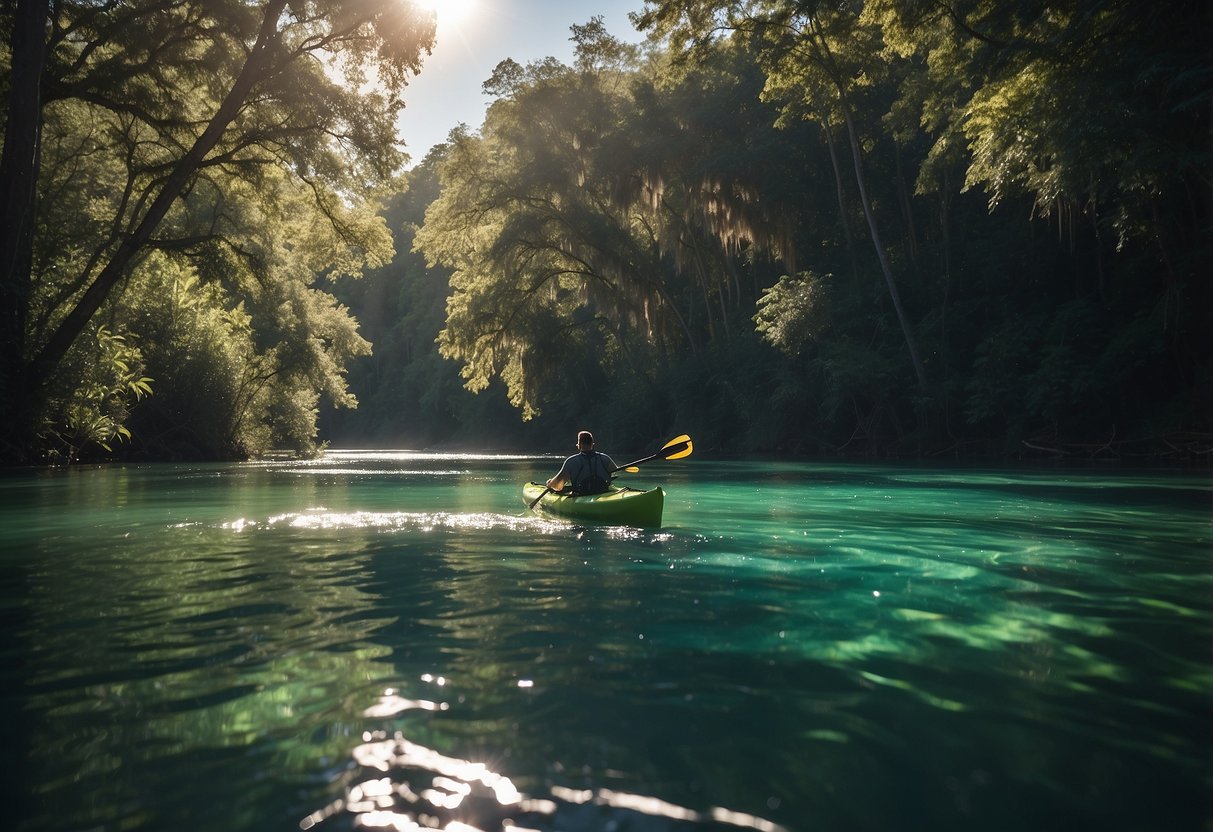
[(816, 55), (542, 253), (604, 217), (203, 91), (27, 21), (1100, 115)]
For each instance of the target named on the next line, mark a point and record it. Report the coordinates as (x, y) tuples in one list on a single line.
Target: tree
[(1086, 115), (1098, 114), (815, 55), (604, 220), (544, 258), (19, 177), (190, 100), (409, 396)]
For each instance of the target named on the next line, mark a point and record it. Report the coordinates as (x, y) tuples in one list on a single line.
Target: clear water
[(381, 639)]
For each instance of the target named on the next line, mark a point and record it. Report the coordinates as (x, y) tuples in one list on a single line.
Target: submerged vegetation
[(860, 228)]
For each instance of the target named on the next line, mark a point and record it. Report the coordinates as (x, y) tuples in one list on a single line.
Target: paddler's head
[(585, 441)]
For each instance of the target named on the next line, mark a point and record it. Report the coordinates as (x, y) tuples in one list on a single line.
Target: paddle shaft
[(664, 453), (535, 502)]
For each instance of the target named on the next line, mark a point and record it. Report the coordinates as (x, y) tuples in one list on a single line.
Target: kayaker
[(587, 471)]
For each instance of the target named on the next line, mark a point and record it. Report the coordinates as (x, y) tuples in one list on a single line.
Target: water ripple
[(402, 785), (403, 521)]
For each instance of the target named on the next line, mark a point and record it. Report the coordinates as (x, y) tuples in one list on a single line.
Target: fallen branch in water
[(1191, 445)]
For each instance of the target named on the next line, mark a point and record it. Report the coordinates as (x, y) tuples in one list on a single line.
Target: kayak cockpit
[(617, 506)]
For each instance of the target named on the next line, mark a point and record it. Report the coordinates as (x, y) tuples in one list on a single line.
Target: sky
[(473, 37)]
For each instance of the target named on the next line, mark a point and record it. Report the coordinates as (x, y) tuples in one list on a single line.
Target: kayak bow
[(619, 506)]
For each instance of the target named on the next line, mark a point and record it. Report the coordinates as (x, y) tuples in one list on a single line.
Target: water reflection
[(425, 789), (321, 518), (824, 647)]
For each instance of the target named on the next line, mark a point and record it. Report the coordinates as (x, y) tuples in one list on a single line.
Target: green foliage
[(1073, 370), (794, 312), (538, 241), (243, 149), (409, 396), (202, 348), (1079, 103), (241, 342), (91, 413), (850, 371), (860, 227), (233, 383), (590, 223), (616, 227)]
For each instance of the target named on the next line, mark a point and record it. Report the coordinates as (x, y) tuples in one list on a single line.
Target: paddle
[(676, 448)]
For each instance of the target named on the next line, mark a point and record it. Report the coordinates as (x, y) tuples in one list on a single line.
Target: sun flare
[(449, 12)]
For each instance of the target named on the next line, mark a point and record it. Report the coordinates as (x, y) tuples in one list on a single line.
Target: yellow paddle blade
[(678, 447), (683, 452)]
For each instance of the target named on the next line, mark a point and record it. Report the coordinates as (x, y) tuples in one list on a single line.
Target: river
[(379, 639)]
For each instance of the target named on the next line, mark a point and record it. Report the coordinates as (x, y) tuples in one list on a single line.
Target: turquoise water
[(377, 639)]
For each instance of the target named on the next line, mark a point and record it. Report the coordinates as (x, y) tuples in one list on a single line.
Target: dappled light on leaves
[(234, 145), (574, 236)]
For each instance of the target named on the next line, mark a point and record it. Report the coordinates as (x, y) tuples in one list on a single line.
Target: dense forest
[(892, 227)]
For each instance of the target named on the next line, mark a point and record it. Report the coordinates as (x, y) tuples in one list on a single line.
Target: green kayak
[(619, 506)]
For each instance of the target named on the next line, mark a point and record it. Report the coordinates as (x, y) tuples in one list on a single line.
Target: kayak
[(619, 506)]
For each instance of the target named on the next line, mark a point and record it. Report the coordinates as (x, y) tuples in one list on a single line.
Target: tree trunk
[(827, 62), (945, 228), (906, 329), (18, 187), (842, 204), (907, 208)]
